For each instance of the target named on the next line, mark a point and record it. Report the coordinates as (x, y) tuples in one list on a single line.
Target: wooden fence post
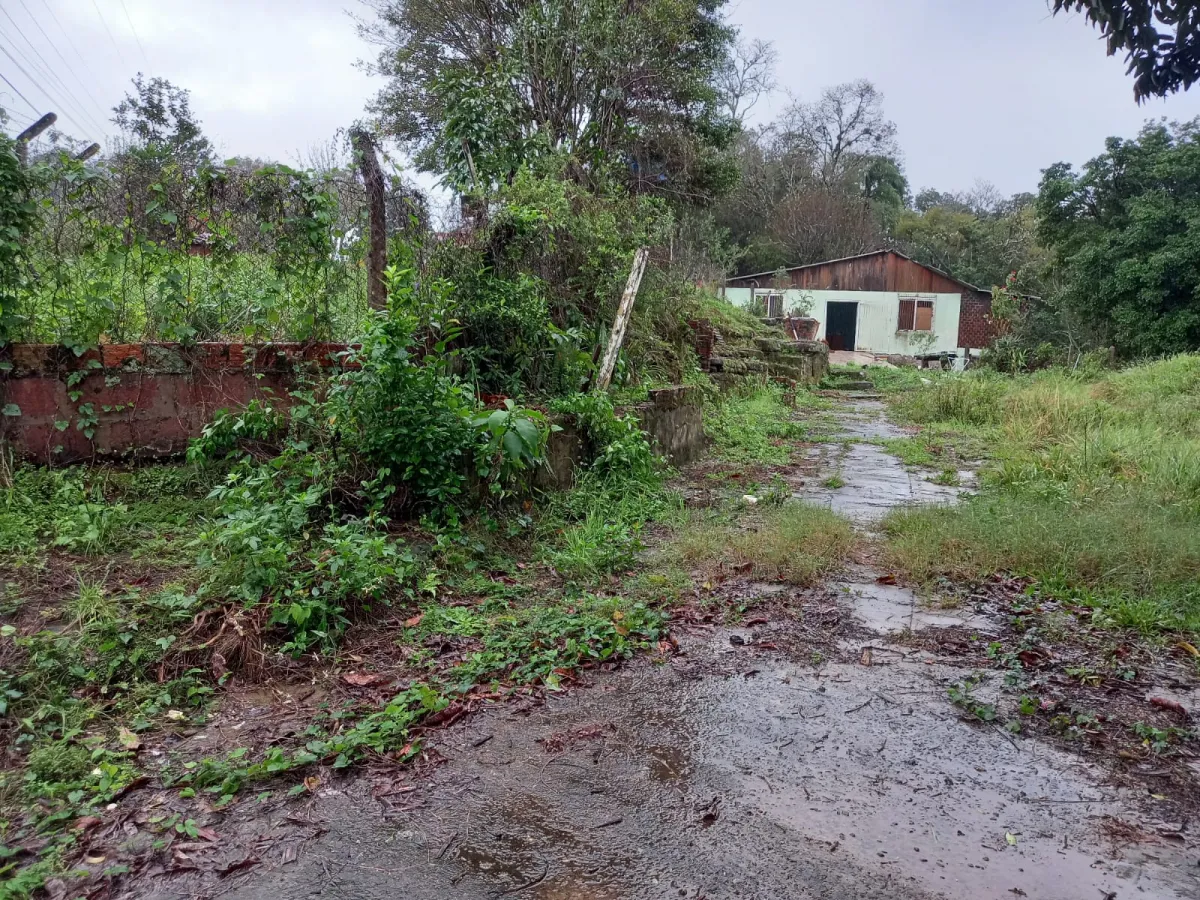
[(372, 175), (622, 319)]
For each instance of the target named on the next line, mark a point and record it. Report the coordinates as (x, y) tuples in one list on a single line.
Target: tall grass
[(799, 543), (1093, 488)]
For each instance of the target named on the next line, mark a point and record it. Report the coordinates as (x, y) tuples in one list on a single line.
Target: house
[(881, 302)]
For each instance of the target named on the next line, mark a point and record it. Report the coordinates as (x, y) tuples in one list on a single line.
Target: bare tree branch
[(747, 77)]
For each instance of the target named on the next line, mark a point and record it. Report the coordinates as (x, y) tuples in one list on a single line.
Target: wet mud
[(733, 771)]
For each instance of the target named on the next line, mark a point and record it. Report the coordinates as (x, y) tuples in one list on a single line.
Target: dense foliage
[(16, 223), (1124, 238), (478, 89)]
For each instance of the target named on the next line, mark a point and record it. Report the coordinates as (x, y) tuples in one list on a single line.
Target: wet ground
[(731, 770)]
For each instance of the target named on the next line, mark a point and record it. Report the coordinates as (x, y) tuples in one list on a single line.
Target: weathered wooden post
[(622, 320), (364, 146)]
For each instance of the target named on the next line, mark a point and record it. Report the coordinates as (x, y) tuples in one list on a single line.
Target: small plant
[(1162, 741), (834, 482), (91, 605), (513, 443), (90, 527), (962, 695), (947, 478)]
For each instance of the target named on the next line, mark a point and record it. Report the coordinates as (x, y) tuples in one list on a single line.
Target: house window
[(915, 315), (770, 303)]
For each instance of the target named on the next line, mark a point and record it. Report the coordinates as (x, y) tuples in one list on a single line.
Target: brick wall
[(975, 327), (147, 399)]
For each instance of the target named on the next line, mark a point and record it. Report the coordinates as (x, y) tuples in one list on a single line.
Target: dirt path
[(732, 771)]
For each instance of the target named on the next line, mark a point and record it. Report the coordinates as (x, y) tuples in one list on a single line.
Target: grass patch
[(912, 451), (754, 425), (799, 543), (1092, 489), (834, 482)]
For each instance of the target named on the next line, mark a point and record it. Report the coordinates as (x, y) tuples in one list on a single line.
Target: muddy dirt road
[(734, 770)]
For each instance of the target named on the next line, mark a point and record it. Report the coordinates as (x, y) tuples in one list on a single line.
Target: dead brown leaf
[(363, 679)]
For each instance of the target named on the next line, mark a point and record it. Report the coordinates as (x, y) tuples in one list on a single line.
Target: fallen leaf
[(1011, 838), (1031, 659), (1167, 703), (208, 834), (312, 782), (446, 716), (1188, 648), (363, 679), (865, 657), (238, 866), (128, 739), (93, 860), (175, 715), (886, 579), (414, 621), (85, 822)]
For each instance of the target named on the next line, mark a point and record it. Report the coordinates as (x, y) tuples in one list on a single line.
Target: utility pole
[(364, 145), (30, 133)]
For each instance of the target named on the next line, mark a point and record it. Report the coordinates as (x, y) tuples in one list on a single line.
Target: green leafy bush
[(513, 444)]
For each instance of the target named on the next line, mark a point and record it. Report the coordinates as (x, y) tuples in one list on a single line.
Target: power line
[(18, 119), (49, 77), (58, 53), (129, 19), (34, 81), (47, 71), (104, 22), (70, 43), (32, 108)]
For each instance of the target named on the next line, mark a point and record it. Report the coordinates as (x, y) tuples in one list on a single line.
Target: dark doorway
[(841, 321)]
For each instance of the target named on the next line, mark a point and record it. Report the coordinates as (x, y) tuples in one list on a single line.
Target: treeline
[(573, 133), (1100, 258)]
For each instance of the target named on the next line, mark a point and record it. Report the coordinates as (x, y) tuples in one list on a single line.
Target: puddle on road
[(875, 481), (851, 782), (889, 608)]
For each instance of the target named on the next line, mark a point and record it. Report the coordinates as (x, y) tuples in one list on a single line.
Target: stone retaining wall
[(802, 362)]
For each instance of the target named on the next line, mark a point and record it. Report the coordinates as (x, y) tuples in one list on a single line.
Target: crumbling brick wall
[(137, 400)]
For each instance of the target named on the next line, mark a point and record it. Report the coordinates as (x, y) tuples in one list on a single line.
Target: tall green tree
[(822, 182), (978, 237), (158, 114), (477, 88), (1125, 237)]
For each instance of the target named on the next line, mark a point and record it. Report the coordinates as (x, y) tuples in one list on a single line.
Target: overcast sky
[(991, 90)]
